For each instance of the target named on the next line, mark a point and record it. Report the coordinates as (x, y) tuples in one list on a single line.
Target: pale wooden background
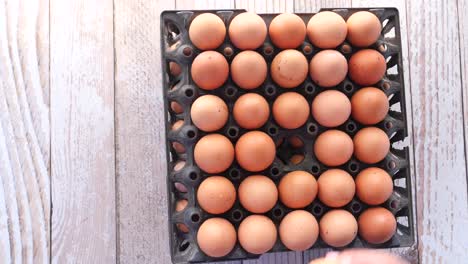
[(82, 171)]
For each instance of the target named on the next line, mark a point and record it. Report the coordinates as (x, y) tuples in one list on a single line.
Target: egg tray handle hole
[(351, 127), (193, 176), (317, 210), (191, 134), (278, 213), (312, 129), (234, 174), (230, 91), (189, 93), (356, 208), (315, 169), (273, 131), (268, 50), (307, 49), (233, 132), (270, 90), (353, 167), (195, 218), (310, 89), (187, 51), (237, 215), (349, 87), (274, 171)]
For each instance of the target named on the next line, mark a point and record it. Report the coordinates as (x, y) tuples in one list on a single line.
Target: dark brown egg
[(287, 31), (326, 30), (371, 145), (210, 70), (363, 28), (377, 225), (247, 31), (369, 105), (207, 31), (367, 67)]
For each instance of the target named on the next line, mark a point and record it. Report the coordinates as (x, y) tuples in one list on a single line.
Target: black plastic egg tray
[(176, 47)]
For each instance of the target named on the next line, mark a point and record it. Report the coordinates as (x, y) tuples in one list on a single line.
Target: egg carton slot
[(184, 176)]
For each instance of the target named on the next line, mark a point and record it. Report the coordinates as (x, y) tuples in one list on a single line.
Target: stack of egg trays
[(176, 47)]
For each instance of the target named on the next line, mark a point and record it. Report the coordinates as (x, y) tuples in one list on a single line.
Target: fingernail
[(332, 255)]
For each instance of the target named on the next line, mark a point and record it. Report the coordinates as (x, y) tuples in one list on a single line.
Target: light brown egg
[(207, 31), (333, 147), (251, 111), (338, 228), (367, 67), (213, 153), (247, 31), (287, 31), (258, 194), (290, 110), (374, 186), (180, 206), (175, 68), (255, 151), (216, 195), (178, 147), (364, 29), (326, 30), (209, 113), (296, 159), (377, 225), (331, 108), (336, 188), (216, 237), (371, 145), (298, 230), (297, 189), (248, 69), (328, 68), (369, 105), (296, 142), (176, 107), (289, 68), (179, 165), (257, 234), (210, 70)]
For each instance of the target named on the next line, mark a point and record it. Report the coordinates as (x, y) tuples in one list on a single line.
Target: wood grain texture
[(82, 131), (140, 140), (24, 132), (438, 131), (463, 32)]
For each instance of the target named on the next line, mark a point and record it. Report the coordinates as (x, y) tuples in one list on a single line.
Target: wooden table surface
[(82, 144)]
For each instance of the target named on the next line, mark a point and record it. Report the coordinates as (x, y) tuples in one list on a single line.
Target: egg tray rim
[(401, 128)]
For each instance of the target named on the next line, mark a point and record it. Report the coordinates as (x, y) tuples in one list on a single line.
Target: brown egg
[(287, 31), (178, 147), (377, 225), (338, 228), (180, 206), (176, 107), (296, 159), (209, 113), (255, 151), (295, 142), (291, 110), (258, 194), (374, 186), (369, 105), (289, 68), (216, 237), (216, 195), (175, 68), (257, 234), (179, 165), (371, 145), (367, 67), (213, 153), (328, 68), (207, 31), (336, 188), (298, 230), (364, 29), (326, 30), (247, 31), (331, 108), (333, 147), (297, 189), (248, 69), (209, 70), (251, 111)]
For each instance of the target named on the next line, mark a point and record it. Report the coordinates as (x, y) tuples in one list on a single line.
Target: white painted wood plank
[(140, 138), (25, 129), (463, 31), (440, 162), (82, 131)]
